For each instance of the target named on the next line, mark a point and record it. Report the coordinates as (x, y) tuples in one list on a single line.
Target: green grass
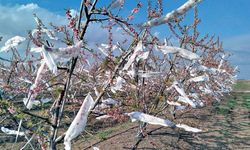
[(103, 135), (246, 100), (224, 109), (245, 95), (231, 103), (242, 100), (242, 85)]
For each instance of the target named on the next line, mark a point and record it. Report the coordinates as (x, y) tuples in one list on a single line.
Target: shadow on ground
[(226, 126)]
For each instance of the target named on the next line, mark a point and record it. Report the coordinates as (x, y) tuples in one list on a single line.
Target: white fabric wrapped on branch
[(79, 122), (173, 14), (187, 100), (12, 132), (184, 97), (30, 102), (139, 116), (106, 103), (202, 78), (104, 48), (52, 55), (149, 74), (179, 51), (115, 4), (43, 29), (12, 43), (118, 84), (137, 54), (48, 32), (103, 117)]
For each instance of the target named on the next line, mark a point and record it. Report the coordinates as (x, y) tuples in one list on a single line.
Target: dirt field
[(225, 126)]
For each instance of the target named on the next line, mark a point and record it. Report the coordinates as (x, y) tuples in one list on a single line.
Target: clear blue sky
[(228, 19)]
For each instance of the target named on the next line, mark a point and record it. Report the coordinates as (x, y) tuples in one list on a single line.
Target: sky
[(228, 19)]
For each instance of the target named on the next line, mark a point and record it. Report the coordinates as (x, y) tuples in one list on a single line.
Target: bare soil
[(225, 126)]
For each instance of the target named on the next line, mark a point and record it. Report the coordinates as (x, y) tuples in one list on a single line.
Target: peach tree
[(134, 72)]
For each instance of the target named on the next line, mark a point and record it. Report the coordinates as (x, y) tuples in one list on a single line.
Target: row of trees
[(144, 76)]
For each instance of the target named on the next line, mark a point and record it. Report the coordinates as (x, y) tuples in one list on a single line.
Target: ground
[(225, 125)]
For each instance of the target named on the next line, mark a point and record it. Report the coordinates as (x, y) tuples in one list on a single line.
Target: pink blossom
[(135, 10), (11, 110), (130, 17)]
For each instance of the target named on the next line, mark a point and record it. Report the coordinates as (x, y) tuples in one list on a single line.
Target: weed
[(231, 103), (103, 135), (222, 110), (225, 110), (245, 100), (246, 103)]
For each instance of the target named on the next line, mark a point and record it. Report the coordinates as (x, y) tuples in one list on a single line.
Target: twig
[(4, 59), (36, 116), (80, 15), (110, 137), (141, 138), (28, 142)]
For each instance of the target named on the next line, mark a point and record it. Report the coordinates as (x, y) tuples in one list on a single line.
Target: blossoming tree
[(143, 75)]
